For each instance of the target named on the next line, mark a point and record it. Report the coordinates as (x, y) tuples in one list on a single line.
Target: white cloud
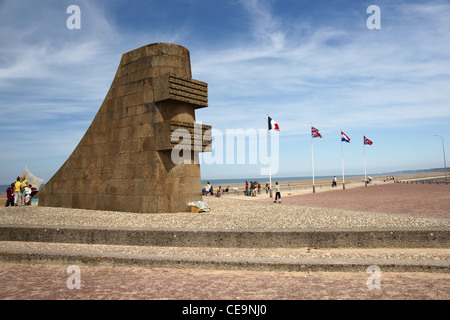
[(265, 26), (355, 76)]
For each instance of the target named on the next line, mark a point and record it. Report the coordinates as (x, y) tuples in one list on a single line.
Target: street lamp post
[(443, 150)]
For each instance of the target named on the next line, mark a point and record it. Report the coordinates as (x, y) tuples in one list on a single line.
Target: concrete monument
[(124, 162)]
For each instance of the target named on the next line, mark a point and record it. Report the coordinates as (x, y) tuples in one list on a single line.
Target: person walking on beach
[(10, 196), (278, 193), (252, 188), (246, 188), (334, 183)]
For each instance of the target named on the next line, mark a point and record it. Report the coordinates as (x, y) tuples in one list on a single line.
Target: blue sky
[(300, 61)]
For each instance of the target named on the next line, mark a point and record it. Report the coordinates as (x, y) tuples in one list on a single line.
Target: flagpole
[(312, 153), (365, 172), (270, 162), (342, 160)]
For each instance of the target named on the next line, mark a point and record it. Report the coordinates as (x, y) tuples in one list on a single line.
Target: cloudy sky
[(300, 61)]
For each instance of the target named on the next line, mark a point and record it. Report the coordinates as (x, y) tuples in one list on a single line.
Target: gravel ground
[(272, 253)]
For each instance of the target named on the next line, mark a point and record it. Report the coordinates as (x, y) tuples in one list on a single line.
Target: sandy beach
[(292, 188), (305, 186)]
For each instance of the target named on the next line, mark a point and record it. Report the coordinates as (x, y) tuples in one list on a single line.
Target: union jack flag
[(315, 133), (367, 141)]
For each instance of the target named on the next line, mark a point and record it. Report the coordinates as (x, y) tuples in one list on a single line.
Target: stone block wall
[(123, 162)]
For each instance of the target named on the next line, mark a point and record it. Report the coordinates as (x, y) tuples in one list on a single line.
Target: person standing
[(17, 193), (278, 193), (23, 186), (246, 188), (10, 196)]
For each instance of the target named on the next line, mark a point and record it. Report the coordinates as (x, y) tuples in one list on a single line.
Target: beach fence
[(422, 182), (425, 180)]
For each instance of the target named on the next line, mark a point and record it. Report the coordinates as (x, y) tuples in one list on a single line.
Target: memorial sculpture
[(124, 162)]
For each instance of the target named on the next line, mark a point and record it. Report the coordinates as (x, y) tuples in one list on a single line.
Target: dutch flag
[(344, 137)]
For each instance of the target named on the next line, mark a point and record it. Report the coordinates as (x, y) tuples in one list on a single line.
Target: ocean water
[(3, 188)]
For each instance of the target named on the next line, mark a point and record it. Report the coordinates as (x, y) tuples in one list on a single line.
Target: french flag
[(273, 125), (344, 137)]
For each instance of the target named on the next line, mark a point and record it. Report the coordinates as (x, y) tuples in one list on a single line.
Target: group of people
[(19, 193), (208, 190), (254, 187)]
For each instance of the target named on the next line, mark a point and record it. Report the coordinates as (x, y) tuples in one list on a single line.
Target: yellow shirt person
[(23, 184), (17, 194)]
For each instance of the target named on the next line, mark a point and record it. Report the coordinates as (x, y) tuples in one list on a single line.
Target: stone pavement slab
[(37, 282)]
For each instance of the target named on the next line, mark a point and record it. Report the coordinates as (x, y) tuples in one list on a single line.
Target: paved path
[(24, 281), (419, 200)]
